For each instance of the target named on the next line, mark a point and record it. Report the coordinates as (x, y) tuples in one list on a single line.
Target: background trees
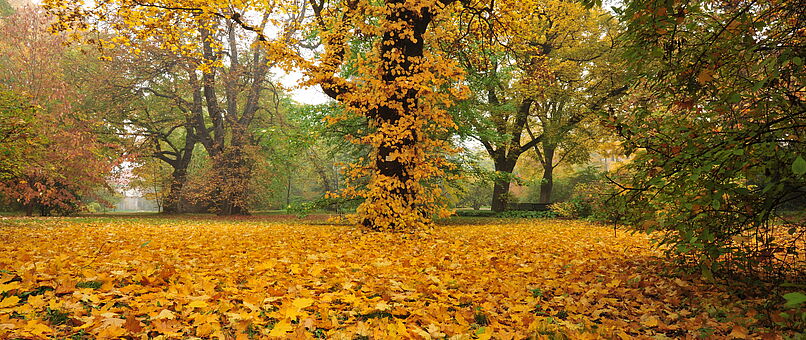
[(219, 108), (535, 80), (65, 155)]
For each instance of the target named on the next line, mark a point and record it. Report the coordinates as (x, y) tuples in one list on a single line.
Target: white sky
[(304, 95)]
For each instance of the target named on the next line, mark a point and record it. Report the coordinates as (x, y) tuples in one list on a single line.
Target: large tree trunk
[(547, 184), (172, 202), (503, 168), (233, 172), (174, 196), (399, 104)]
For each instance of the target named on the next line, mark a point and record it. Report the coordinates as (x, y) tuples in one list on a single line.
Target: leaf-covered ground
[(206, 278)]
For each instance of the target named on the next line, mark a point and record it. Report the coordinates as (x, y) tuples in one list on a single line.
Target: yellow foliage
[(223, 279)]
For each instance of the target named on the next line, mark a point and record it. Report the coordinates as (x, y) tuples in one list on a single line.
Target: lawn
[(200, 277)]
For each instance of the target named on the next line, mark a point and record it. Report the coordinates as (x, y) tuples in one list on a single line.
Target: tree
[(534, 87), (225, 81), (161, 118), (715, 122), (395, 85), (68, 159), (154, 179)]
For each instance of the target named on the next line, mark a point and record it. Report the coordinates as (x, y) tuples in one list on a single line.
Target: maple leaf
[(294, 309), (6, 287), (167, 327), (281, 329), (9, 301), (132, 324), (165, 314), (38, 328), (198, 304), (705, 76)]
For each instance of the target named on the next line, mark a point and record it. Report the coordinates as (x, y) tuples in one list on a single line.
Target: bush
[(475, 213), (527, 214), (574, 208), (93, 207)]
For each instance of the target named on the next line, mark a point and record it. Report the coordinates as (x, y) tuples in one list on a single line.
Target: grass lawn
[(203, 277)]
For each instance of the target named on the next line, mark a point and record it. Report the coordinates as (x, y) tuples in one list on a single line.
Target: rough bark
[(505, 154), (547, 183), (174, 196), (500, 199)]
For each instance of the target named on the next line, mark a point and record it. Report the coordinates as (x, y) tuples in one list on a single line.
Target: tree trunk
[(233, 172), (547, 184), (502, 182), (171, 203), (44, 210), (401, 103), (288, 192)]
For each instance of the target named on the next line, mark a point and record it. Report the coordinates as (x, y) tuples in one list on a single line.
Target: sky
[(304, 95)]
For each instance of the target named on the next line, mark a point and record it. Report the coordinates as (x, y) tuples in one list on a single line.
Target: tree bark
[(227, 138), (501, 187), (505, 155), (180, 163), (173, 198), (547, 184)]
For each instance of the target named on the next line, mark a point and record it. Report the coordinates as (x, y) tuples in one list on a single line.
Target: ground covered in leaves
[(104, 278)]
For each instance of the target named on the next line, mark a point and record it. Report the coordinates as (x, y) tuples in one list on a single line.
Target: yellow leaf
[(281, 328), (36, 301), (6, 287), (204, 330), (165, 314), (650, 321), (37, 328), (484, 333), (301, 303), (198, 304), (9, 301)]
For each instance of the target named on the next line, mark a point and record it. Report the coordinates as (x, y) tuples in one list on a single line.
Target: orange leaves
[(299, 281), (705, 76)]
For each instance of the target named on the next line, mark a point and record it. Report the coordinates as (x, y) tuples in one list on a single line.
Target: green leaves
[(716, 119), (799, 166), (794, 299)]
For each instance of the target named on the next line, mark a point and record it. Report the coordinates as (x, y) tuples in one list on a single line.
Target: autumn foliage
[(111, 278), (55, 156), (403, 86)]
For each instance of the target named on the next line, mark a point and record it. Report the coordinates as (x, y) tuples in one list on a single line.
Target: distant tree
[(534, 88), (154, 179), (182, 107)]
